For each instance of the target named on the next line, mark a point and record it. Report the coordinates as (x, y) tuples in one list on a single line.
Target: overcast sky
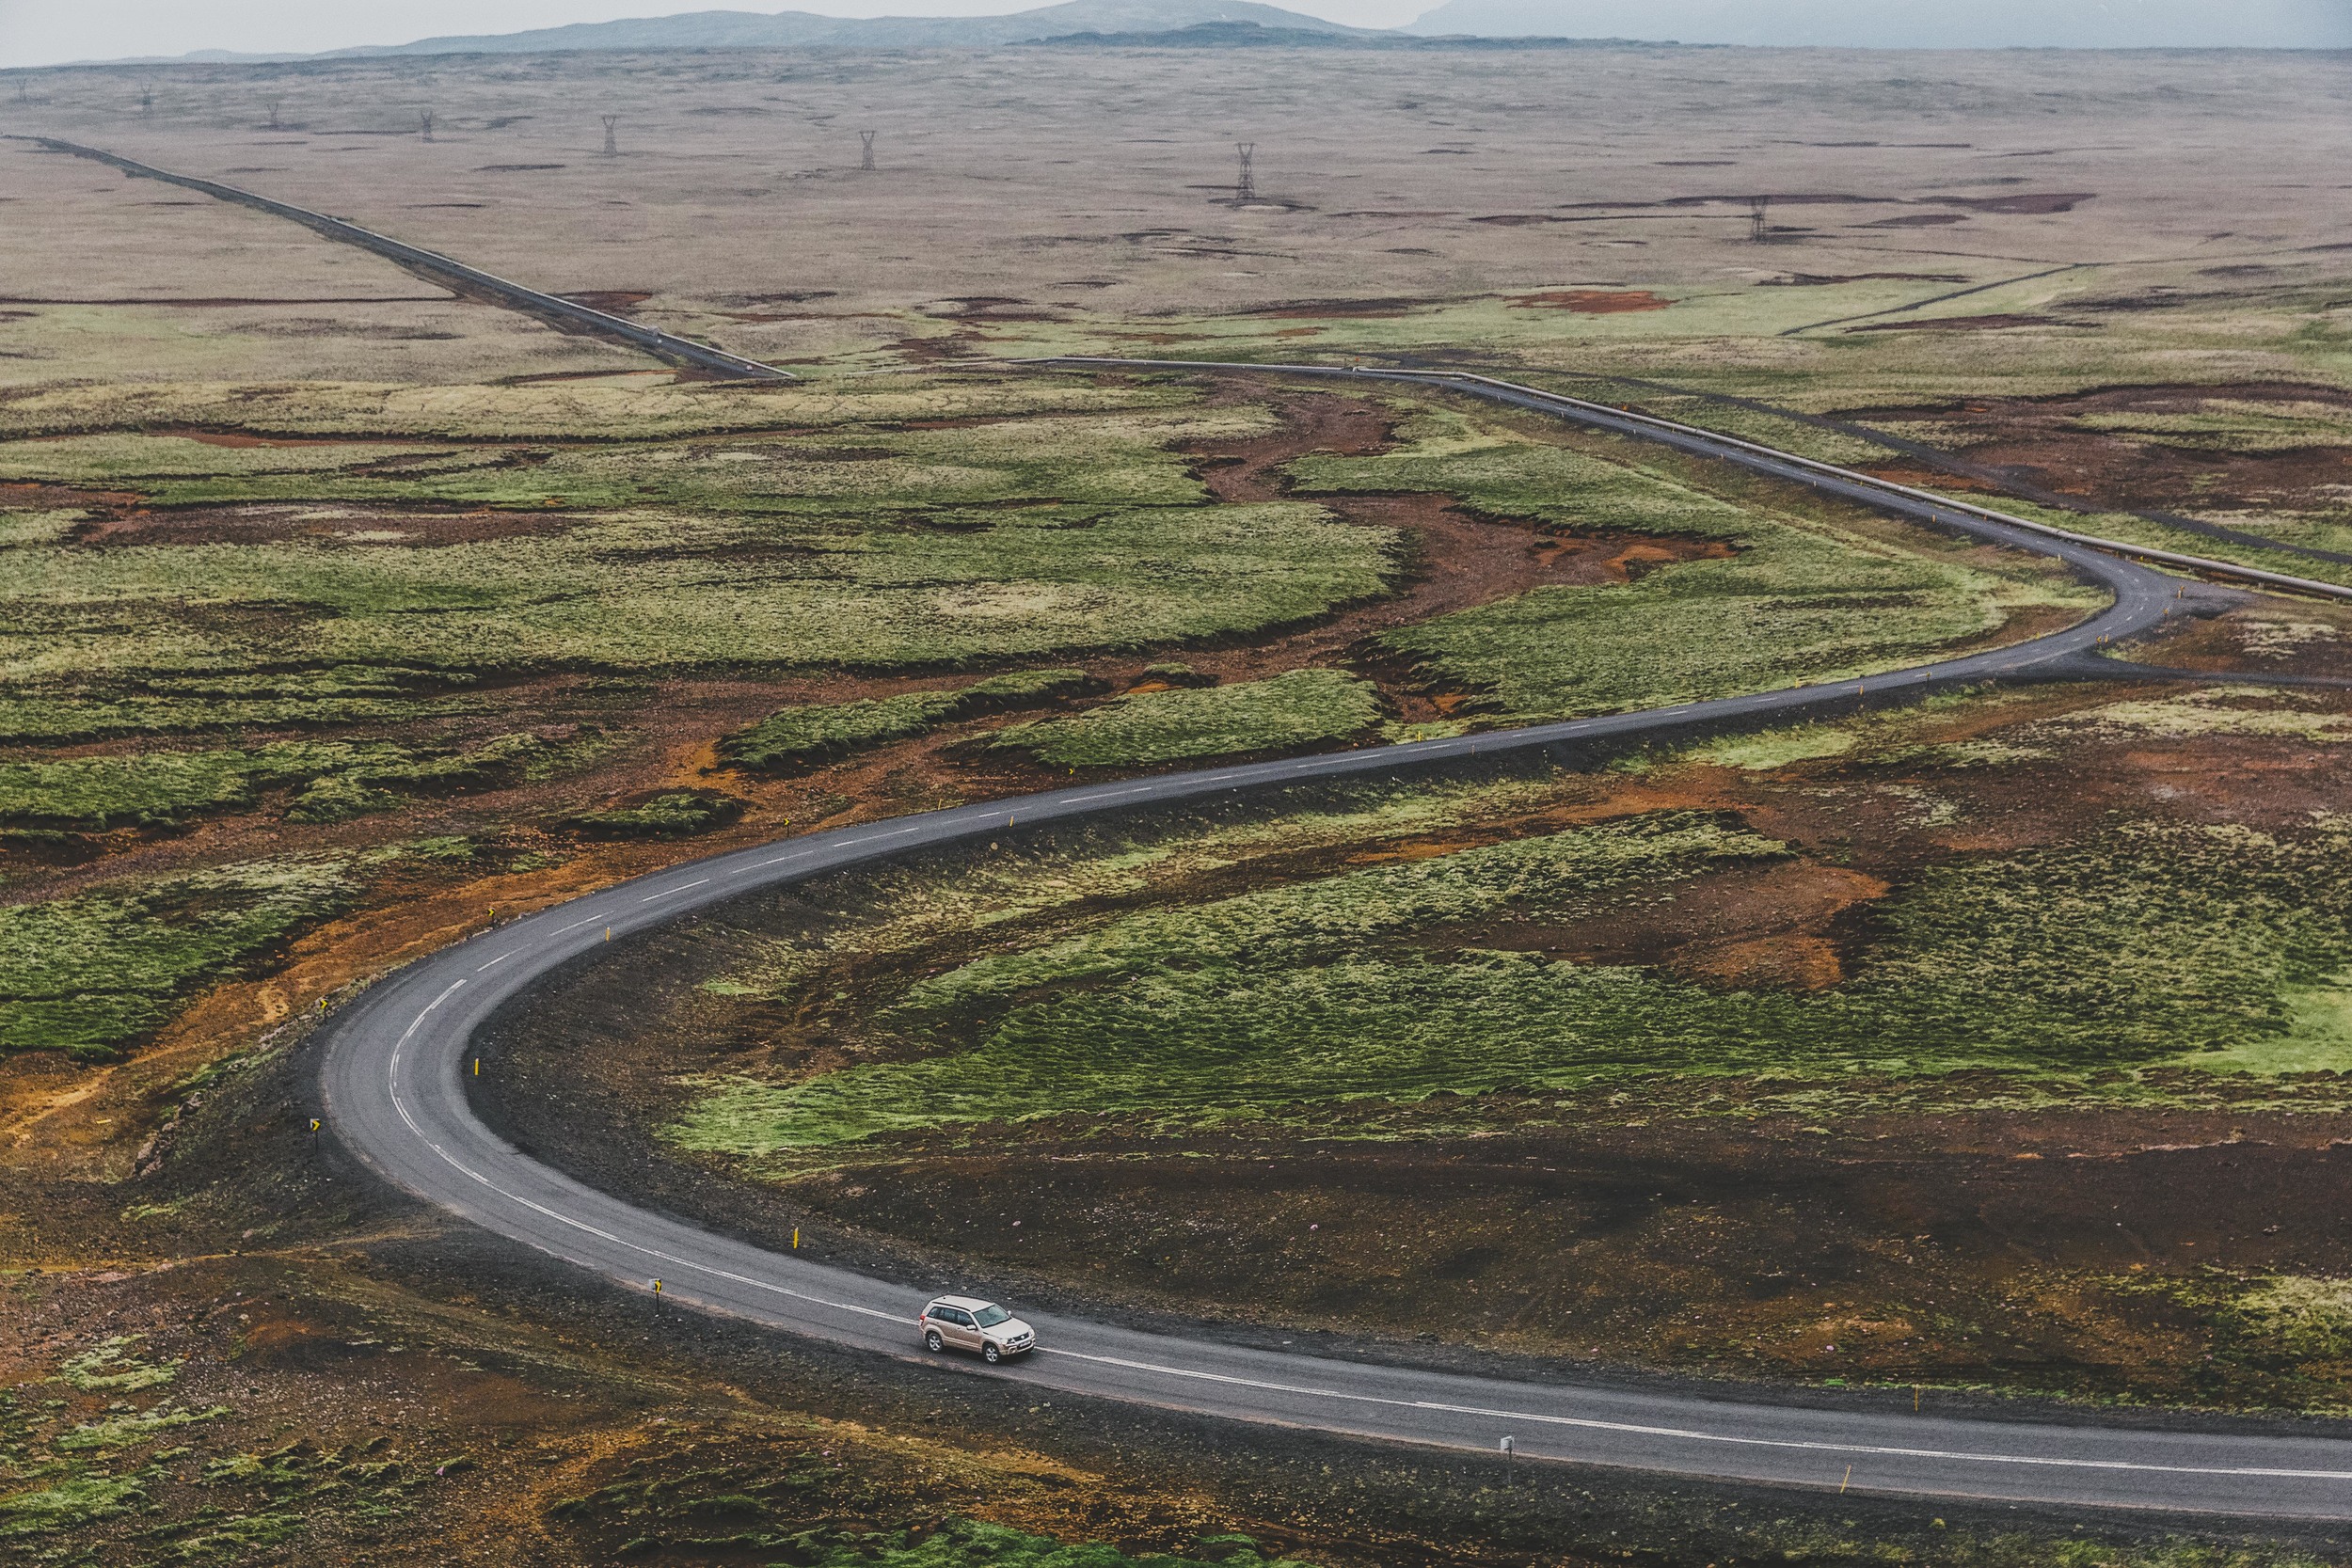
[(46, 32)]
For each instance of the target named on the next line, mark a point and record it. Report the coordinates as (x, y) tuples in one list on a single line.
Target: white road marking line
[(1591, 1423), (819, 855), (665, 1258), (1694, 1434), (392, 1070), (500, 959), (400, 1104)]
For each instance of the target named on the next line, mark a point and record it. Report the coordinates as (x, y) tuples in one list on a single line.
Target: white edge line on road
[(847, 847), (1690, 1434), (661, 1257), (1683, 1435), (391, 1069), (402, 1106)]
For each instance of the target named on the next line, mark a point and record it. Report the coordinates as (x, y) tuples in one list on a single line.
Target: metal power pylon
[(866, 154), (611, 148), (1245, 187)]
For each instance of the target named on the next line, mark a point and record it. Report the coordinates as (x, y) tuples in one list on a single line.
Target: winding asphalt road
[(395, 1096), (448, 271)]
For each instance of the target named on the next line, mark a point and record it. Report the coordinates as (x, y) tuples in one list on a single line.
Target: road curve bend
[(395, 1094)]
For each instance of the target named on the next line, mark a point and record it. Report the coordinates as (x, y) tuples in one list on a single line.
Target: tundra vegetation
[(1305, 707), (2090, 969), (328, 629), (340, 615)]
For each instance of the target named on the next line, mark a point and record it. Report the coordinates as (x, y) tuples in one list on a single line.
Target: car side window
[(954, 1316)]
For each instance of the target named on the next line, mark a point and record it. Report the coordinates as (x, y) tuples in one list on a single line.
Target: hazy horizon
[(39, 32)]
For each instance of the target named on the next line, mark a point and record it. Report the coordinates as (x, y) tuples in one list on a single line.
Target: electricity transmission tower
[(424, 118), (611, 148), (1757, 227), (274, 123), (865, 157), (147, 105), (1245, 187)]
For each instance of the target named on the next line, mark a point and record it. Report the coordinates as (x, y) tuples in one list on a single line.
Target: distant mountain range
[(1878, 24), (801, 29), (1240, 23)]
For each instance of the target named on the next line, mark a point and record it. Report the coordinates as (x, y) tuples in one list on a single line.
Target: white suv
[(967, 1322)]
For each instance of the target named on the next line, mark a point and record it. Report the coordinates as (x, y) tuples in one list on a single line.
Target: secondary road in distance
[(395, 1096)]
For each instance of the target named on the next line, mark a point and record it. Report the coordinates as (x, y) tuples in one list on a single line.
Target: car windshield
[(990, 1316)]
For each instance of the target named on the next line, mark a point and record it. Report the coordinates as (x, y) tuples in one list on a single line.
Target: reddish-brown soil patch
[(37, 498), (2040, 440), (1591, 301), (1455, 560), (1459, 560), (1686, 1225), (1763, 925)]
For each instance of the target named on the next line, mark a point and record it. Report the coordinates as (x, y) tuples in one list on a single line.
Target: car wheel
[(932, 1342), (993, 1352)]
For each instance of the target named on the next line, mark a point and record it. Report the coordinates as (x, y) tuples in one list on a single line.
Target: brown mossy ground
[(2043, 440), (368, 1383), (1948, 1232), (377, 1385)]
